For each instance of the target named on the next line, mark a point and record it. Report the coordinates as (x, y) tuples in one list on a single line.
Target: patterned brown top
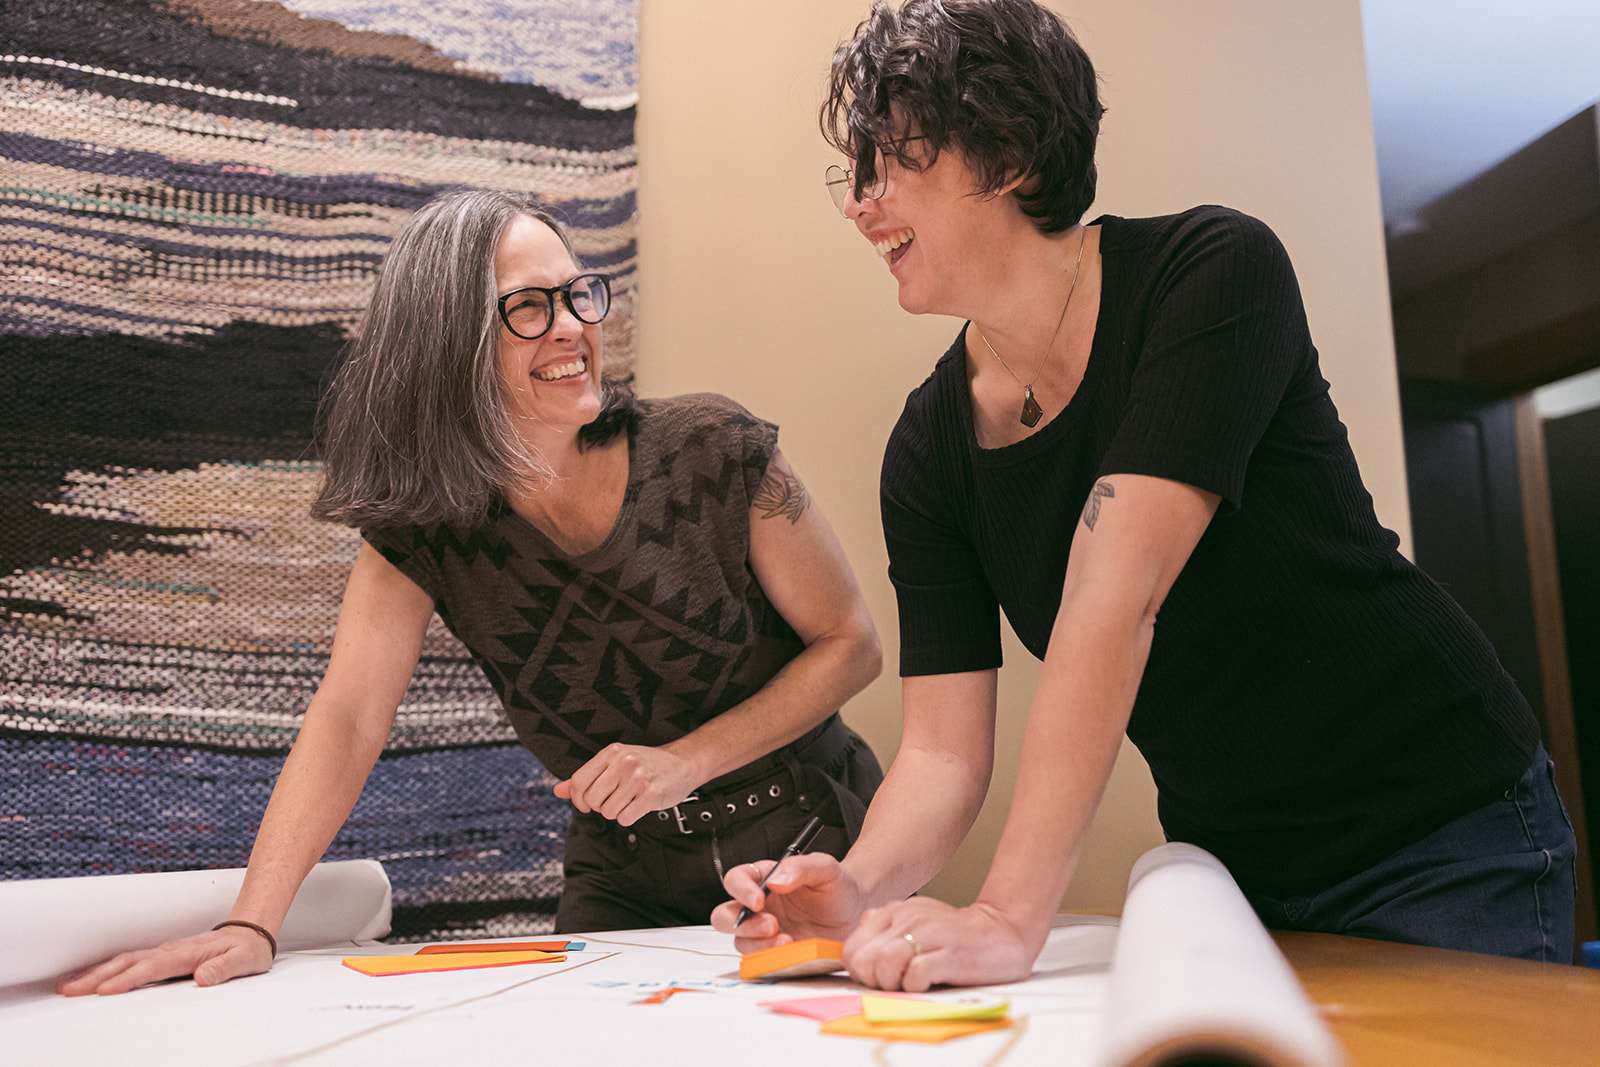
[(659, 629)]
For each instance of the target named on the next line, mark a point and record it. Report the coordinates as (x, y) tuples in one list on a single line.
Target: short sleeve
[(1226, 335), (407, 548), (758, 443), (729, 430), (949, 618)]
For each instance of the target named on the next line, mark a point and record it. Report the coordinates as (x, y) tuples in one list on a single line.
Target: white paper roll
[(1195, 973), (53, 926)]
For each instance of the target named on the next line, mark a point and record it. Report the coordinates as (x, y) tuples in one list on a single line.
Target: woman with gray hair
[(667, 618)]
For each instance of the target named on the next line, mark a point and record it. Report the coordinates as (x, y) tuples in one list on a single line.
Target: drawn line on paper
[(664, 948), (317, 1050)]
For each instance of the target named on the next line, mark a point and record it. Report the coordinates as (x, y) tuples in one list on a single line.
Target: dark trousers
[(630, 878), (1499, 880)]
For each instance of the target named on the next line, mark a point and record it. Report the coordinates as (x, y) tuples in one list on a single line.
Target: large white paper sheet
[(1189, 968), (1196, 973), (53, 926), (311, 1010)]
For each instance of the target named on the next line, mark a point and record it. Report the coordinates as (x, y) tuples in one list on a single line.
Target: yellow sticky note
[(908, 1010), (930, 1032), (382, 966)]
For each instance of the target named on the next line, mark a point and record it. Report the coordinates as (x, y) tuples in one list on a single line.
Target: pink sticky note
[(822, 1009)]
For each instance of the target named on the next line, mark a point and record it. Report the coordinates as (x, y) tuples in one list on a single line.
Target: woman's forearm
[(919, 817), (320, 782), (809, 688), (1075, 726)]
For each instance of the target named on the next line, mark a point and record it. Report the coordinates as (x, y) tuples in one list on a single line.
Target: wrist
[(870, 882), (255, 929), (262, 902), (263, 913), (697, 769), (1030, 928)]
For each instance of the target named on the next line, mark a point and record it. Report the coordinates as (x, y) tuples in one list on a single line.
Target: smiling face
[(553, 380), (933, 229)]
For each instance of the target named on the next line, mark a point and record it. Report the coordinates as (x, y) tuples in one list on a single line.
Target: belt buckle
[(677, 814)]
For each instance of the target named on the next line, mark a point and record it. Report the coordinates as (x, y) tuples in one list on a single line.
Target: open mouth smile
[(894, 246), (562, 371)]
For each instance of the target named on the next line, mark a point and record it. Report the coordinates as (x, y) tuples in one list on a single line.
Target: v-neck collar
[(630, 493)]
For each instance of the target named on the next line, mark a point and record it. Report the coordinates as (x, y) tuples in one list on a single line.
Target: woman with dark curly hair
[(1131, 450), (668, 620)]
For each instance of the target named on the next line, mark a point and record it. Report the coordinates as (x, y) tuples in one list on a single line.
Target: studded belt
[(702, 814), (721, 805)]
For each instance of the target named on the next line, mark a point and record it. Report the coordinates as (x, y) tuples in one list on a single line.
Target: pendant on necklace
[(1031, 411)]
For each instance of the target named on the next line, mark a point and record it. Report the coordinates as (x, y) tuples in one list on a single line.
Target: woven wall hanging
[(194, 197)]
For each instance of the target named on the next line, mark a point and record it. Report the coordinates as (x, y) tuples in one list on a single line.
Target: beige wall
[(753, 287)]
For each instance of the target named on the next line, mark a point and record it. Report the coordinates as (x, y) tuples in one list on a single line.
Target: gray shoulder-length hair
[(415, 428)]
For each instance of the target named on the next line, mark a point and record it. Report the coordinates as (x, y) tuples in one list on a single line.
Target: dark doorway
[(1572, 446), (1483, 526), (1466, 515)]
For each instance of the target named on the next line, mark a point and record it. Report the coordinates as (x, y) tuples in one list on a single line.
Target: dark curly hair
[(1003, 81)]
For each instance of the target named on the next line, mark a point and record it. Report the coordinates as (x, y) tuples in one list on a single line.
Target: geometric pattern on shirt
[(578, 623), (637, 650)]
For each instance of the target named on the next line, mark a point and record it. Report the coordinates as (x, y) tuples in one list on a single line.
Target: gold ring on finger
[(916, 949)]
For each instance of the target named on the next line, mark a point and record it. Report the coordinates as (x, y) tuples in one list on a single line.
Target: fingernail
[(778, 879)]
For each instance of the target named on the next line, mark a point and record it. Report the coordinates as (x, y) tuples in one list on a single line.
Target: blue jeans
[(1501, 880)]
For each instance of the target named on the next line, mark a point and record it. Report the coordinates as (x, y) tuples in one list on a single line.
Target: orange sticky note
[(494, 946), (930, 1033), (797, 959), (383, 966)]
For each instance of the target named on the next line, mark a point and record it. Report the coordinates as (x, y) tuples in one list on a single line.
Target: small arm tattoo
[(1091, 507), (781, 493)]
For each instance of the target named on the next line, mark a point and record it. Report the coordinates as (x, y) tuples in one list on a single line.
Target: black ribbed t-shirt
[(1312, 700)]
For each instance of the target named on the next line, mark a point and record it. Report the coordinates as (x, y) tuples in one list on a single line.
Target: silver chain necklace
[(1031, 411)]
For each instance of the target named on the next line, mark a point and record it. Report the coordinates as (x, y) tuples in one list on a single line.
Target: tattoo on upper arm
[(1091, 507), (781, 493)]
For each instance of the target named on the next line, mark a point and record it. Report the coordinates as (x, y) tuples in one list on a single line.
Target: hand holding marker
[(799, 844)]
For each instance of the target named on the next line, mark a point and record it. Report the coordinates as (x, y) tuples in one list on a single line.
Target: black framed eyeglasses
[(838, 180), (529, 312)]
